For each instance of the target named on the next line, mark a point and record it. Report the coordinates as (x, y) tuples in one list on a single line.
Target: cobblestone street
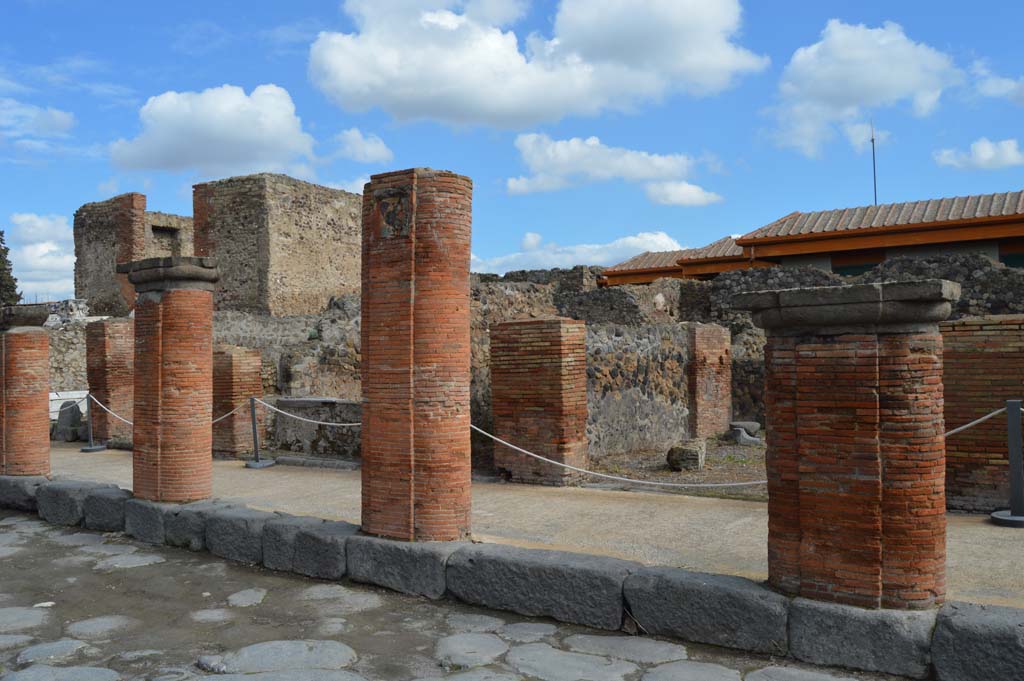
[(83, 606)]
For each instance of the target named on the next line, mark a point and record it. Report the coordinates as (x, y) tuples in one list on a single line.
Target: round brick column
[(856, 451), (415, 355), (25, 403), (172, 455)]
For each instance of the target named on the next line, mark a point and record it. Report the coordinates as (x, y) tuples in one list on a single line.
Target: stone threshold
[(960, 641)]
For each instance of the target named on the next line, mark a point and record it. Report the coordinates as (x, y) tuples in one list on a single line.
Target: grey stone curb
[(963, 641)]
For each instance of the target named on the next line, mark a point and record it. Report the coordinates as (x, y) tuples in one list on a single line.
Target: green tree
[(8, 284)]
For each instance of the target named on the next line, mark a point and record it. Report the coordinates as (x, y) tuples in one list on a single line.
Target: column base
[(1007, 519), (93, 448), (262, 463)]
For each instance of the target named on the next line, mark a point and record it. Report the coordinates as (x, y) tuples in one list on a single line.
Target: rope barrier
[(302, 418), (224, 416), (975, 422), (68, 406), (109, 411), (616, 477)]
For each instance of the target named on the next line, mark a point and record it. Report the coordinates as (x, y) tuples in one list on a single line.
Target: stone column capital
[(179, 272)]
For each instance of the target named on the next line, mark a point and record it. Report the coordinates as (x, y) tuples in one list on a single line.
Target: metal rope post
[(92, 447), (1014, 516), (256, 461)]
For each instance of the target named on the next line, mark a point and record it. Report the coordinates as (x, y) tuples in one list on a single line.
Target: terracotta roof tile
[(723, 248)]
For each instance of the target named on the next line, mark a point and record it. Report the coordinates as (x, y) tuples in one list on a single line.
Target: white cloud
[(363, 148), (556, 164), (42, 255), (984, 155), (851, 70), (18, 119), (451, 60), (680, 194), (108, 187), (989, 84), (354, 185), (859, 135), (285, 36), (218, 131), (534, 256)]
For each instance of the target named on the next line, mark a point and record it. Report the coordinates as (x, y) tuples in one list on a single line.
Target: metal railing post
[(92, 446), (256, 461), (1014, 517)]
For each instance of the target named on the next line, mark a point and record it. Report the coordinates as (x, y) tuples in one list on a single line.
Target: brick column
[(710, 380), (856, 452), (539, 397), (236, 378), (173, 377), (109, 359), (415, 361), (25, 403)]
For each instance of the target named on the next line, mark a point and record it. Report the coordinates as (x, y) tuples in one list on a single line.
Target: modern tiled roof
[(650, 260), (723, 248), (893, 214)]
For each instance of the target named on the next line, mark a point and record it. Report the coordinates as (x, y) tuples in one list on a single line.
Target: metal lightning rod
[(874, 168)]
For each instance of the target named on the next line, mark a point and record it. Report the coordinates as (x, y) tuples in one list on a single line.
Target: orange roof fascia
[(884, 238), (724, 265), (642, 270), (636, 278)]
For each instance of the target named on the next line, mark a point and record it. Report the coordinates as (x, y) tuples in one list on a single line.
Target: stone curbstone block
[(185, 525), (18, 492), (144, 519), (975, 641), (569, 587), (416, 568), (890, 641), (831, 295), (104, 509), (236, 533), (922, 290), (62, 502), (722, 610), (755, 301), (320, 549), (279, 540)]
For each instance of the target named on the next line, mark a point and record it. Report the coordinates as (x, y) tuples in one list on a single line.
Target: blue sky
[(592, 130)]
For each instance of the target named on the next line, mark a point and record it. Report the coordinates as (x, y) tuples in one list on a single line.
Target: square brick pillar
[(236, 378), (856, 451), (109, 362), (25, 382), (539, 397), (710, 380), (173, 377), (415, 361)]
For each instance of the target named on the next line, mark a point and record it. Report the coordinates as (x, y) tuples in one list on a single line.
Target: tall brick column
[(172, 458), (856, 451), (415, 361), (539, 397), (25, 402), (710, 380), (109, 362), (236, 378)]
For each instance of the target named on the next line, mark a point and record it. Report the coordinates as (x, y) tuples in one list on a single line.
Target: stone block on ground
[(185, 524), (569, 587), (236, 533), (722, 610), (416, 568), (742, 438), (688, 455), (144, 520), (320, 550), (18, 492), (890, 641), (980, 642), (752, 427), (69, 422), (62, 502), (279, 540), (104, 509)]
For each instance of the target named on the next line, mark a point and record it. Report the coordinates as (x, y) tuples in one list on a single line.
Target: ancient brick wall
[(539, 397), (67, 356), (110, 358), (710, 380), (108, 233), (168, 235), (285, 247), (236, 378), (416, 355), (984, 367), (25, 404)]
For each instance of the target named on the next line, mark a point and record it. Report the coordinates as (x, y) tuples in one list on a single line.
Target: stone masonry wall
[(67, 356)]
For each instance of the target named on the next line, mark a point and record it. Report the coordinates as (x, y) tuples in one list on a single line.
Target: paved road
[(83, 606), (985, 564)]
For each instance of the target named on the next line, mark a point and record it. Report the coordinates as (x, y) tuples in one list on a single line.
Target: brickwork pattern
[(416, 355), (710, 380), (110, 359), (25, 403), (855, 468), (173, 395), (236, 378), (984, 367), (539, 398)]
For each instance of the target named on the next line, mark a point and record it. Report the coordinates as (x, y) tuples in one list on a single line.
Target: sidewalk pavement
[(985, 562)]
